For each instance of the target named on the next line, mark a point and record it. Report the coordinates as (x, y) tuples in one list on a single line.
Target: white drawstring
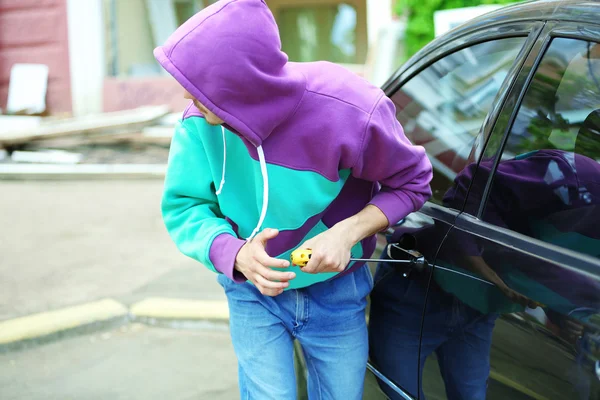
[(265, 205), (265, 177), (224, 162)]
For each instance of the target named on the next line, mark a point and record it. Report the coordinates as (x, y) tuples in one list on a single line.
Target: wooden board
[(159, 131), (46, 157), (99, 140), (129, 119), (19, 122)]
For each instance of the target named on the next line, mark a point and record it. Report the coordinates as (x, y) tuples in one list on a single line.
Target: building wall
[(35, 31), (134, 38), (127, 93), (379, 14)]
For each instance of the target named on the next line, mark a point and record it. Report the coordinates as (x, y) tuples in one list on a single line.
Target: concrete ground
[(131, 362), (65, 243)]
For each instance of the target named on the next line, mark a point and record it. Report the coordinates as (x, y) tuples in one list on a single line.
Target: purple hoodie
[(314, 124)]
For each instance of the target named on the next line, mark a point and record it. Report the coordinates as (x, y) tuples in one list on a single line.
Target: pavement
[(96, 302), (131, 362), (66, 243)]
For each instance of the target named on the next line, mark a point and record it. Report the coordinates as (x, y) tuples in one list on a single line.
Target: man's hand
[(478, 265), (330, 251), (517, 297), (253, 261)]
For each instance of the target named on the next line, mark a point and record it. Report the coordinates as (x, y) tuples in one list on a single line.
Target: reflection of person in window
[(553, 196), (543, 187), (550, 195)]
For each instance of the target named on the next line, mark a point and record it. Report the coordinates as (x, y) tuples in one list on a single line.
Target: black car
[(505, 302)]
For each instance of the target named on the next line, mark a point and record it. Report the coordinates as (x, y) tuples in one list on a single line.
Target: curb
[(36, 329), (177, 309), (39, 328), (81, 171)]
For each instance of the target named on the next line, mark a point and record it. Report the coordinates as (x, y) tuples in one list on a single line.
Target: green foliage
[(420, 29)]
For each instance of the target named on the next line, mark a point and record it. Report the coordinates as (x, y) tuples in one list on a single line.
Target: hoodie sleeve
[(388, 157), (190, 209)]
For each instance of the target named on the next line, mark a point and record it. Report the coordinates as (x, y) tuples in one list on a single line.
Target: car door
[(447, 102), (522, 263)]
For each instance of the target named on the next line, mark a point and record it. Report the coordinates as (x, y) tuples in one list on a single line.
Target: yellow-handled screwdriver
[(301, 257)]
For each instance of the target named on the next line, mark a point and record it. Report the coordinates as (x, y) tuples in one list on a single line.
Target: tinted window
[(547, 184), (444, 106), (504, 319)]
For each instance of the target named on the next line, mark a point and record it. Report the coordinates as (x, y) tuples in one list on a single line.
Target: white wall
[(86, 55), (379, 15)]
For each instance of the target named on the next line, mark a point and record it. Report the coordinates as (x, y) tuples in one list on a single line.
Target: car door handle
[(413, 258)]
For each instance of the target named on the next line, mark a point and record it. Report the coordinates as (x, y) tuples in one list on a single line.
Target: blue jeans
[(460, 336), (328, 319)]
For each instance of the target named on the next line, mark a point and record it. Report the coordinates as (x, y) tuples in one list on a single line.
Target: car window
[(443, 107), (547, 184)]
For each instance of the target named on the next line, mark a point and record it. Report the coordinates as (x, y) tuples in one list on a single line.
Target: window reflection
[(546, 186), (555, 142), (544, 194), (444, 106), (499, 321), (441, 108)]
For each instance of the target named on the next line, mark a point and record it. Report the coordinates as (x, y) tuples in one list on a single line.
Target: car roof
[(543, 10), (579, 11)]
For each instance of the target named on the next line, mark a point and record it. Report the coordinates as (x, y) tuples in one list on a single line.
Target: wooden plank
[(126, 137), (19, 122), (100, 140), (81, 171), (158, 131), (130, 119), (46, 157)]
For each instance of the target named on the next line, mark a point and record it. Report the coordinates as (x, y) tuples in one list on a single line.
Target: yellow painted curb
[(42, 324), (156, 307)]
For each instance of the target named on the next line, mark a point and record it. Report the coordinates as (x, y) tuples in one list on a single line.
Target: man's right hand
[(253, 261)]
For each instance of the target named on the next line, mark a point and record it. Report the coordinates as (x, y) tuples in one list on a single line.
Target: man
[(272, 156)]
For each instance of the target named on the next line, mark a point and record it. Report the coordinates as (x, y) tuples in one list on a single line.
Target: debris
[(92, 124), (158, 131), (113, 139), (10, 123), (169, 119), (81, 171), (47, 157), (27, 89)]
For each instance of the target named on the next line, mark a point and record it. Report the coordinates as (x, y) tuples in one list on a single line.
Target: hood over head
[(228, 56)]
